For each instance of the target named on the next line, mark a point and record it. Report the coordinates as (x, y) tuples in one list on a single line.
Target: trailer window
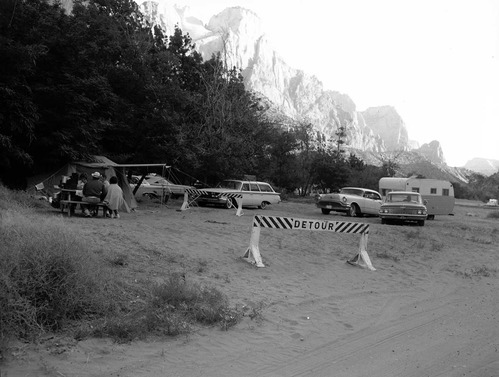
[(415, 189), (445, 192), (433, 191)]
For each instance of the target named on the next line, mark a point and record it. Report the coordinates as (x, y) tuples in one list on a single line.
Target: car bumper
[(216, 201), (333, 206), (402, 217)]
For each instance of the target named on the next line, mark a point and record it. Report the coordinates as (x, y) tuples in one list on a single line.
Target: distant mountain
[(387, 123), (483, 166), (238, 33)]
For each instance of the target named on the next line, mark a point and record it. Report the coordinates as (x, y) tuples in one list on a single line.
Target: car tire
[(431, 217), (354, 211), (149, 195), (263, 205), (325, 211), (421, 222)]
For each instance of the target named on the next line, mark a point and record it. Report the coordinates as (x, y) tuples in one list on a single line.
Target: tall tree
[(307, 148)]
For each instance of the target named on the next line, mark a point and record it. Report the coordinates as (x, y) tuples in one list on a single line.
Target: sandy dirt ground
[(429, 309)]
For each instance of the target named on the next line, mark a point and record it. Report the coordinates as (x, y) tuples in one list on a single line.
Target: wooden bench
[(70, 205)]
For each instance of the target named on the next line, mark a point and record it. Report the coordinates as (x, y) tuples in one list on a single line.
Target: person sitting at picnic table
[(93, 192), (81, 181), (79, 190), (114, 197)]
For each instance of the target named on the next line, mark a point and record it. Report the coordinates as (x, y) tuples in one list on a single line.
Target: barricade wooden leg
[(252, 254), (185, 204), (239, 207), (362, 258)]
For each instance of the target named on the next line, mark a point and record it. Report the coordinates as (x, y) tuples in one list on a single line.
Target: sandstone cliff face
[(433, 152), (483, 165), (387, 123), (238, 34)]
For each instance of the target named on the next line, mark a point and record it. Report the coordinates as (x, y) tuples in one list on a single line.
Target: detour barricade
[(252, 253), (190, 196)]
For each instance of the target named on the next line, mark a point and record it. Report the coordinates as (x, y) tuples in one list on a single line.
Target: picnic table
[(70, 200)]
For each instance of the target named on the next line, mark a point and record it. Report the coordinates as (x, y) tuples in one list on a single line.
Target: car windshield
[(403, 198), (352, 191), (233, 185), (135, 179), (159, 181)]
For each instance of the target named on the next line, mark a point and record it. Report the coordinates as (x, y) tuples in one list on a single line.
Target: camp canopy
[(100, 164)]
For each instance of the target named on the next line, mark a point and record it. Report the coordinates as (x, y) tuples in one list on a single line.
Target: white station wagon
[(255, 194)]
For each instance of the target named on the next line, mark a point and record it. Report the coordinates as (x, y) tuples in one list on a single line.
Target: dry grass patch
[(53, 279)]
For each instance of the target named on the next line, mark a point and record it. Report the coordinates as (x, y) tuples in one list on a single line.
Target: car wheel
[(149, 195), (263, 205), (431, 217), (325, 211), (421, 222), (354, 211)]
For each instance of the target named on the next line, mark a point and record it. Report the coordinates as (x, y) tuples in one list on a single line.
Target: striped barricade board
[(252, 254), (191, 195), (309, 224)]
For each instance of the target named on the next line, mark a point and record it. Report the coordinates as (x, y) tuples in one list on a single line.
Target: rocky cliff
[(483, 166), (238, 34)]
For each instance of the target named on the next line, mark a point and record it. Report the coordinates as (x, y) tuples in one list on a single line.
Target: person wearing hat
[(93, 192)]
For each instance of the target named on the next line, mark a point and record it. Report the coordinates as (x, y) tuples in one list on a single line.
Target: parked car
[(156, 186), (255, 194), (492, 203), (353, 201), (403, 206)]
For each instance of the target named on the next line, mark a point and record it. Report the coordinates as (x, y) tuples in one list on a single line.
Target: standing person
[(93, 192), (114, 197)]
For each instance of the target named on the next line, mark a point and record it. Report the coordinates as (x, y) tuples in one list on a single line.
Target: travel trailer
[(439, 195)]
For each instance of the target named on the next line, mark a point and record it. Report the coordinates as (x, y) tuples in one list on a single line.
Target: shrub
[(203, 304), (47, 276), (174, 307)]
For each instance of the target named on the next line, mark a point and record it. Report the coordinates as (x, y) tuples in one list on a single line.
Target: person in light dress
[(114, 198)]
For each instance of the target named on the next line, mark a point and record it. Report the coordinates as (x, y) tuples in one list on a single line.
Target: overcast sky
[(435, 61)]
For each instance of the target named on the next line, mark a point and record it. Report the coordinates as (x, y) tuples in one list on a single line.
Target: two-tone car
[(254, 194), (156, 186), (353, 201), (402, 207)]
